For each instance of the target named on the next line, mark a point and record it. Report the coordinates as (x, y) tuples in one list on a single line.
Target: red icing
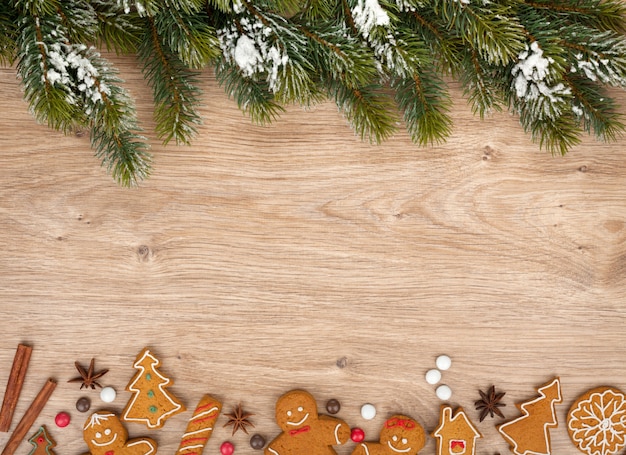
[(304, 429), (110, 452), (187, 441), (457, 446)]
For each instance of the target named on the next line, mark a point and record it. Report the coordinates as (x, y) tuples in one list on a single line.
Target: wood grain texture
[(261, 259)]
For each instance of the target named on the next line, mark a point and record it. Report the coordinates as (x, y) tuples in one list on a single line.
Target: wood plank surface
[(262, 259)]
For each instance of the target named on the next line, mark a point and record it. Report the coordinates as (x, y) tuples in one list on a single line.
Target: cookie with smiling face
[(105, 434), (399, 435), (304, 432)]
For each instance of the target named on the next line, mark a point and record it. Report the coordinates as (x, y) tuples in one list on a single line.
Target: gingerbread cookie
[(529, 434), (151, 404), (400, 434), (455, 434), (105, 434), (200, 426), (304, 431), (42, 442), (596, 421)]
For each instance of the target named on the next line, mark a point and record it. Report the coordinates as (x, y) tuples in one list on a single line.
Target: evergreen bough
[(548, 61)]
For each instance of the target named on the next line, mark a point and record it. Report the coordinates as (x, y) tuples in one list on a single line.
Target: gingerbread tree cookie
[(529, 434), (304, 431), (151, 403), (400, 434), (105, 434), (42, 442)]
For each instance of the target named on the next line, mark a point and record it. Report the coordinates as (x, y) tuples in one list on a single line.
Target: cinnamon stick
[(14, 385), (30, 416)]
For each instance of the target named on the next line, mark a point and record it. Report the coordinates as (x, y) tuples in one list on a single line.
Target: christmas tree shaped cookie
[(42, 442), (529, 434), (151, 403)]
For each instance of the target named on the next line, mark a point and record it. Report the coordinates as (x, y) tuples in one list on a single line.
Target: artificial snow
[(369, 14), (246, 55), (532, 74), (71, 69), (253, 47)]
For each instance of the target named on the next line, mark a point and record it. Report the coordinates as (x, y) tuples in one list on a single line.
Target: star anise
[(489, 403), (238, 419), (88, 377)]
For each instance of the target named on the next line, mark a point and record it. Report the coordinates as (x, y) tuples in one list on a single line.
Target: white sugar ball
[(108, 394), (443, 362), (433, 376), (443, 392), (368, 411)]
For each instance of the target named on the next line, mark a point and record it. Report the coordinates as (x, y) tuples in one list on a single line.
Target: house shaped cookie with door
[(456, 435)]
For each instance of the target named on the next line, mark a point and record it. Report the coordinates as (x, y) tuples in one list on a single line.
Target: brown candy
[(257, 442), (83, 404), (333, 406)]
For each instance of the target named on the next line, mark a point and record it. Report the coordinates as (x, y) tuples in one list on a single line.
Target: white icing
[(203, 413), (143, 441), (397, 450), (295, 424), (97, 419), (203, 430), (337, 433), (102, 444)]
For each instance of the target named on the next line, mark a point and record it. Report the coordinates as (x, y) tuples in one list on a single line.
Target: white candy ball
[(433, 376), (443, 362), (443, 392), (368, 411), (108, 394)]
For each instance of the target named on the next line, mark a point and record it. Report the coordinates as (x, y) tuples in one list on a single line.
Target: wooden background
[(262, 259)]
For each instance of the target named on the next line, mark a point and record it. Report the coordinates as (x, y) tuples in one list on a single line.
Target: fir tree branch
[(117, 31), (253, 98), (367, 109), (600, 14), (48, 101), (173, 87), (189, 36), (597, 112), (490, 27), (480, 84), (425, 102), (8, 34)]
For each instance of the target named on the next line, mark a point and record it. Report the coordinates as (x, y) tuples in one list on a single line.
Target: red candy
[(227, 448), (357, 435), (62, 419)]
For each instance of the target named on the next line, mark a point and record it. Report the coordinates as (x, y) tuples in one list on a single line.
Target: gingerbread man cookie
[(400, 434), (304, 431), (105, 434)]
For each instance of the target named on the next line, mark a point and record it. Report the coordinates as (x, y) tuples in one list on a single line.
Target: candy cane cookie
[(200, 426)]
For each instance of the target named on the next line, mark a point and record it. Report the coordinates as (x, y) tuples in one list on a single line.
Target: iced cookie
[(42, 442), (529, 434), (400, 434), (200, 426), (455, 434), (105, 434), (304, 432), (151, 403), (596, 422)]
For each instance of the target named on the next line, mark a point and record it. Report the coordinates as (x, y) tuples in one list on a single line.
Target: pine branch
[(340, 55), (189, 36), (599, 14), (425, 102), (596, 112), (253, 98), (174, 88), (489, 27), (367, 109), (8, 34), (117, 31), (49, 97), (481, 84)]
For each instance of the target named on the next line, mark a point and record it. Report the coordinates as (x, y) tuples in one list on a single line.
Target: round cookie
[(105, 434), (400, 434), (596, 421), (304, 432)]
